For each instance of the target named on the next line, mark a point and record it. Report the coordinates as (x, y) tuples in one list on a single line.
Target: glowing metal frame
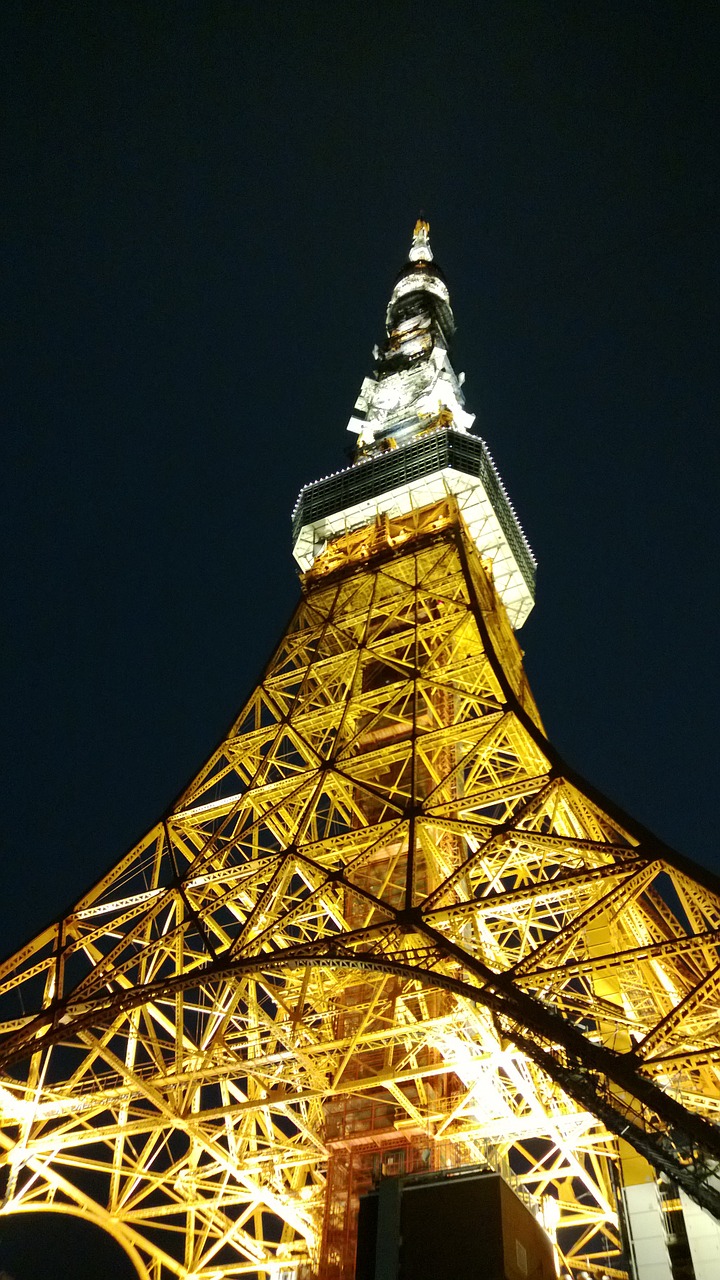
[(386, 902)]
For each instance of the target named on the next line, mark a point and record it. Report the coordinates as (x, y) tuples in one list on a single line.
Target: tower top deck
[(414, 441)]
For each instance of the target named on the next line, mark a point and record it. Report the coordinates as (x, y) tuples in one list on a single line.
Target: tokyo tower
[(386, 933)]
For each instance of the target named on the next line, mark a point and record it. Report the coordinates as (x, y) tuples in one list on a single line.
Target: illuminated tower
[(385, 931)]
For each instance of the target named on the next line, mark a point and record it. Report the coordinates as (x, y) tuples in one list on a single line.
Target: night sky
[(205, 207)]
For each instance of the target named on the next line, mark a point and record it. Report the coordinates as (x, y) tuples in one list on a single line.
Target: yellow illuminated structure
[(385, 929)]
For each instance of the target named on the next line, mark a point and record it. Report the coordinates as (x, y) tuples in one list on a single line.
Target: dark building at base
[(465, 1225)]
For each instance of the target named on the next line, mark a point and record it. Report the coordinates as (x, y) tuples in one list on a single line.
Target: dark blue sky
[(204, 210)]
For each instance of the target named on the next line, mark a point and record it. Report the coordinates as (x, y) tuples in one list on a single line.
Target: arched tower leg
[(384, 924)]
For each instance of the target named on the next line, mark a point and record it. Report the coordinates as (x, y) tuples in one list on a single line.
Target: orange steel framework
[(384, 929)]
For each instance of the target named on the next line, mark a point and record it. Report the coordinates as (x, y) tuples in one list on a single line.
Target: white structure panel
[(474, 503), (704, 1239), (646, 1229)]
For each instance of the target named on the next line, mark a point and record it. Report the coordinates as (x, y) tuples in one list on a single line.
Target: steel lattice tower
[(386, 927)]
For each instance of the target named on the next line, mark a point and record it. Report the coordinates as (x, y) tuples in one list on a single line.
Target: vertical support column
[(671, 1237), (645, 1225), (703, 1233), (643, 1216)]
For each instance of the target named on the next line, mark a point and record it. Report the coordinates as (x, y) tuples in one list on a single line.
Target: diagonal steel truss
[(384, 920)]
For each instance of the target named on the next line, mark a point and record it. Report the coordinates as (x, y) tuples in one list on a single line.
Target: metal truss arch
[(384, 916)]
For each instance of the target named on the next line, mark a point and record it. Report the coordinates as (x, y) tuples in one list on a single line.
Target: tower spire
[(414, 441), (413, 385), (420, 250)]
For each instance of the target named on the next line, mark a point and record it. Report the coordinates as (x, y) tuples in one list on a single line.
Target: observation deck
[(425, 469)]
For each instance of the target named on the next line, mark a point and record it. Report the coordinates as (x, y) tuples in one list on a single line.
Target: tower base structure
[(383, 926)]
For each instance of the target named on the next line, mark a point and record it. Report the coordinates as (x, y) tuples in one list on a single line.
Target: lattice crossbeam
[(384, 912)]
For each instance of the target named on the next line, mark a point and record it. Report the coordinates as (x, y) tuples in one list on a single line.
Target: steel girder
[(384, 911)]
